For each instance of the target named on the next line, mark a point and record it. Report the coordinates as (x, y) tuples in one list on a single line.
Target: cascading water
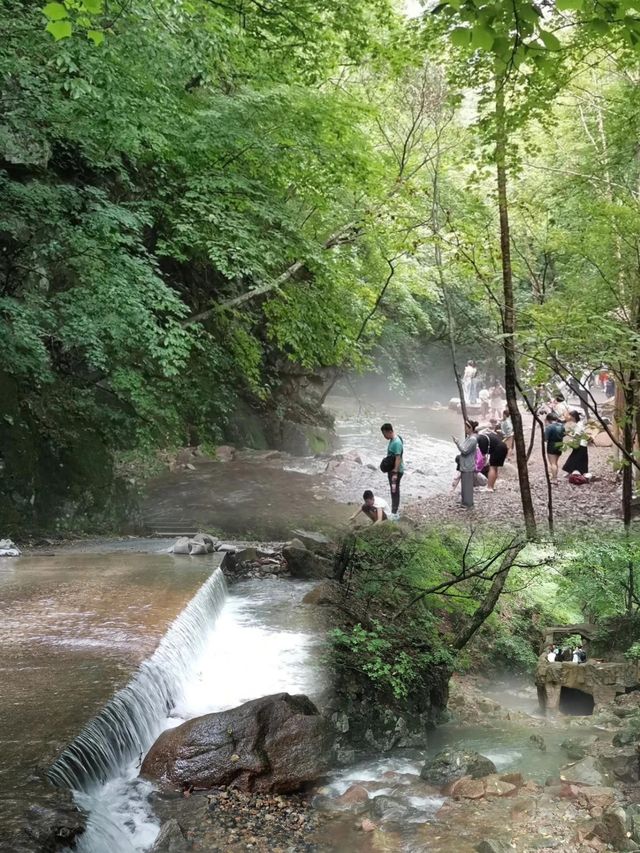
[(259, 642), (102, 761)]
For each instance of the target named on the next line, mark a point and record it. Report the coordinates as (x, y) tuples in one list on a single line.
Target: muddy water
[(73, 627), (266, 495)]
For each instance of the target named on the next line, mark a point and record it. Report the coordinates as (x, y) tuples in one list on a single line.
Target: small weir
[(222, 650), (114, 742)]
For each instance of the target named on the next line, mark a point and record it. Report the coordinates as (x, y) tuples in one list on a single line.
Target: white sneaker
[(394, 516)]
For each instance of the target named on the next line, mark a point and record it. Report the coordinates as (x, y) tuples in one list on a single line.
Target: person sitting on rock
[(373, 507)]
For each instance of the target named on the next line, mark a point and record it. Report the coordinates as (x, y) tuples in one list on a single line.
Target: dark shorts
[(554, 449), (498, 455)]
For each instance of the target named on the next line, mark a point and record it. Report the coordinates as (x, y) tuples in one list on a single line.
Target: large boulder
[(274, 744), (451, 764), (305, 564)]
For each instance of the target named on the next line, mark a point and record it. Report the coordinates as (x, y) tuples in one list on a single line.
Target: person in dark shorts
[(554, 437), (491, 443), (374, 508)]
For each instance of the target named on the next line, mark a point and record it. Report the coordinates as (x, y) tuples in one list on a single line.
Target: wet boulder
[(316, 542), (387, 808), (274, 744), (9, 548), (585, 772), (305, 564), (575, 749), (451, 764), (171, 839)]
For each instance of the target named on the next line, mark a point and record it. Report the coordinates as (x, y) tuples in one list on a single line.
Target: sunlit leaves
[(55, 11)]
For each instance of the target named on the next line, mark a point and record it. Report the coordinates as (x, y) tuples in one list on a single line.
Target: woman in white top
[(578, 459), (560, 408)]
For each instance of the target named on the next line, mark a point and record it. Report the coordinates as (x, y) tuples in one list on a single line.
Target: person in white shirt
[(374, 508)]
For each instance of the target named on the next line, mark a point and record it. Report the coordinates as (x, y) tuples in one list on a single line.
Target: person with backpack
[(553, 436), (393, 466)]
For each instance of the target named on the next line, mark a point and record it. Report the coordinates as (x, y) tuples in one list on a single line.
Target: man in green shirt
[(395, 448)]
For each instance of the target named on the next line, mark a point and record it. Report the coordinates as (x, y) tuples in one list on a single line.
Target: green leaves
[(60, 29), (482, 37), (461, 36), (55, 11)]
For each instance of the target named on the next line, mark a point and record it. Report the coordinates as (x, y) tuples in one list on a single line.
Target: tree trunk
[(485, 608), (508, 314), (435, 228), (533, 408)]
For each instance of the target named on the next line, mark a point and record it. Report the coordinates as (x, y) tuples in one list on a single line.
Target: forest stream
[(77, 626)]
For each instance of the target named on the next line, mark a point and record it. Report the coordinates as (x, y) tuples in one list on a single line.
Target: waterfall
[(132, 719)]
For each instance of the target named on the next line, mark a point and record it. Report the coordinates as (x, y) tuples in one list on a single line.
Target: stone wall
[(603, 681)]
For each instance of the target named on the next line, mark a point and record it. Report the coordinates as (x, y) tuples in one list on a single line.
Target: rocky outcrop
[(369, 720), (275, 744), (452, 764), (304, 564), (602, 681)]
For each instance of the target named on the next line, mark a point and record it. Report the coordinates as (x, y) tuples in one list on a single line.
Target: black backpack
[(388, 462)]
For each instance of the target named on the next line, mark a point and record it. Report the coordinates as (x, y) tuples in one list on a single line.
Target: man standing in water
[(395, 448)]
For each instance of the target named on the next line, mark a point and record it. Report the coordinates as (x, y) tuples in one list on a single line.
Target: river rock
[(246, 555), (585, 772), (225, 453), (209, 541), (182, 546), (387, 808), (197, 548), (305, 564), (612, 827), (491, 845), (274, 744), (623, 766), (171, 839), (574, 748), (451, 764), (356, 795), (9, 548), (312, 541), (51, 823)]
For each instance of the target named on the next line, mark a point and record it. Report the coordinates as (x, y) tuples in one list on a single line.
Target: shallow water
[(266, 496)]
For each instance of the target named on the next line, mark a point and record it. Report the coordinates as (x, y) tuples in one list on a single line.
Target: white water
[(258, 642)]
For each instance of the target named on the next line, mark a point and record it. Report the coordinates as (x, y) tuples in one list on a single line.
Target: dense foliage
[(185, 206), (199, 200)]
